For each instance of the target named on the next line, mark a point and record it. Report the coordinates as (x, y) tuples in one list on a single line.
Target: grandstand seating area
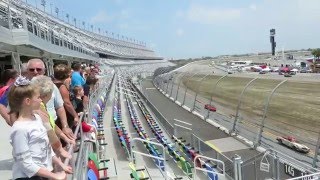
[(157, 144), (18, 15)]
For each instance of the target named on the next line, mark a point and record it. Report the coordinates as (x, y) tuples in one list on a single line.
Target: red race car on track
[(210, 107)]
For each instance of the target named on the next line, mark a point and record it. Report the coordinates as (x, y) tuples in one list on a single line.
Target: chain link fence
[(259, 110)]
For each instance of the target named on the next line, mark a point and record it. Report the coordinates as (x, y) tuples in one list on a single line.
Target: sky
[(195, 28)]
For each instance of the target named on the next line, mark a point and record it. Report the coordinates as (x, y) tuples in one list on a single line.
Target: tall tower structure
[(272, 41)]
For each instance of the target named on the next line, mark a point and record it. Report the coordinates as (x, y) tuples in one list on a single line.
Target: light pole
[(57, 12), (62, 16), (51, 8), (75, 22), (84, 25), (43, 3), (67, 16)]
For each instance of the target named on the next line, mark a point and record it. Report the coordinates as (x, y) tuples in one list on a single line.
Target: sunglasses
[(37, 69)]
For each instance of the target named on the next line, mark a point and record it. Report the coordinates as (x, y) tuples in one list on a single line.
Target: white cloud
[(124, 14), (152, 45), (118, 1), (210, 15), (180, 14), (180, 32), (124, 26), (101, 17), (253, 7)]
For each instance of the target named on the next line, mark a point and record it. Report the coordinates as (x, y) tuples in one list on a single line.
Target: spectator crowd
[(42, 113)]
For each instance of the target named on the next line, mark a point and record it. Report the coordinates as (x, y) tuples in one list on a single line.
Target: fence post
[(173, 80), (168, 85), (179, 86), (214, 87), (239, 104), (185, 92), (197, 92), (265, 112), (275, 169)]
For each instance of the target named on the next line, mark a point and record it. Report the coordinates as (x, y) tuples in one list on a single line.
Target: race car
[(210, 107), (291, 142)]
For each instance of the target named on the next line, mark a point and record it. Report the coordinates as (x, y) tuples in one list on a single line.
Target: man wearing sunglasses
[(55, 106)]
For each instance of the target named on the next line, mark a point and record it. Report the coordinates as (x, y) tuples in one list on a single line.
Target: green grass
[(295, 106)]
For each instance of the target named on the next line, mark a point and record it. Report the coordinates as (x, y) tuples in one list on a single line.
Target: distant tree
[(316, 54)]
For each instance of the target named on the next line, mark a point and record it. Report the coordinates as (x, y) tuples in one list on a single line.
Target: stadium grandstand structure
[(26, 30)]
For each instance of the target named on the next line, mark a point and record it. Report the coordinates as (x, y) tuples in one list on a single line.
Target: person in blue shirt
[(76, 78)]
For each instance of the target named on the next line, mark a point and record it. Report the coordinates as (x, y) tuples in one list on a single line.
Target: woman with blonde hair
[(46, 88)]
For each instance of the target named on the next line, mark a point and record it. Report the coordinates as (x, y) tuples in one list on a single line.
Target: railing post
[(239, 104), (265, 112), (237, 162), (185, 92), (214, 87), (276, 167), (197, 92)]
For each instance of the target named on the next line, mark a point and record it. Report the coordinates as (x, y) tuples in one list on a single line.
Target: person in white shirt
[(32, 153)]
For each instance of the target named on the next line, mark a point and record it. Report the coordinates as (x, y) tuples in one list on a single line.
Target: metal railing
[(80, 165), (257, 131), (256, 110)]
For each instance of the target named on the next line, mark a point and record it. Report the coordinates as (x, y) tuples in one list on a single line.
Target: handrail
[(70, 150), (163, 158), (83, 148), (205, 170)]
